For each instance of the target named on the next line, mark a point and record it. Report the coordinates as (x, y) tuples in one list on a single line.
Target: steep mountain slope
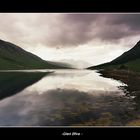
[(14, 57), (129, 60), (130, 55)]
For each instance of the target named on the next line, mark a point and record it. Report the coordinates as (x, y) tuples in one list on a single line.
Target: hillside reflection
[(13, 82)]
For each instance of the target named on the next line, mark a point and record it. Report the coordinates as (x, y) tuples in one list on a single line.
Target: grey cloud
[(66, 30), (131, 20), (71, 29), (114, 27)]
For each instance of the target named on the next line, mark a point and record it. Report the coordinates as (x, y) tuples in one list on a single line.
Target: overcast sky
[(81, 39)]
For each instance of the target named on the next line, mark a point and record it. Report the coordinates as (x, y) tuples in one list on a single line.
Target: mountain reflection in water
[(67, 97), (12, 83)]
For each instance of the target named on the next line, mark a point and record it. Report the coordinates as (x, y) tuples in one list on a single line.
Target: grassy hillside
[(14, 57), (132, 65), (130, 55), (129, 60)]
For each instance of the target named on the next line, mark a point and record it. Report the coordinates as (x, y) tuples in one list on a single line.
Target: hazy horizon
[(80, 39)]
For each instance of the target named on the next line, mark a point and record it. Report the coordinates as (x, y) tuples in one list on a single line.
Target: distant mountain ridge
[(130, 59), (14, 57)]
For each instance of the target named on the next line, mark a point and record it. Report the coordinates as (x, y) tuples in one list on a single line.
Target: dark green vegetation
[(13, 82), (14, 57), (129, 60)]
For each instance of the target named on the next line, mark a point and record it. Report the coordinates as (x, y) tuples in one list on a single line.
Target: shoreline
[(123, 75), (129, 78)]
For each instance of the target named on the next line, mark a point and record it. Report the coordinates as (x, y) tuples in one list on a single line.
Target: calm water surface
[(63, 98)]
